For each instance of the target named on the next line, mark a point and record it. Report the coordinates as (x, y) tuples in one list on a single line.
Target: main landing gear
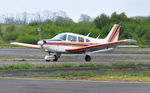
[(56, 56), (52, 57), (87, 58)]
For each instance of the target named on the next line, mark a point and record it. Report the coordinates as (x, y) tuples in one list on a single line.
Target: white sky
[(74, 8)]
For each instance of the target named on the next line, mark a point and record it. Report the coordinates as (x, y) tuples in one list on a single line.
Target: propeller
[(41, 42)]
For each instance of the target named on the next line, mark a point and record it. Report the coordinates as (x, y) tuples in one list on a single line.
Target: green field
[(105, 74), (30, 66)]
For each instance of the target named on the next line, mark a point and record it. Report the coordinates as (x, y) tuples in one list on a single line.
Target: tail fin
[(113, 34)]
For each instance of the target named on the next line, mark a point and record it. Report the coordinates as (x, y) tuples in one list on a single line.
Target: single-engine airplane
[(71, 43)]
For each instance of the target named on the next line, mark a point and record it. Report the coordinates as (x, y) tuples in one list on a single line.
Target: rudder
[(113, 34)]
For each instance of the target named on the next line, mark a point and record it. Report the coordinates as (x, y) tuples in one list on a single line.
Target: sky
[(74, 8)]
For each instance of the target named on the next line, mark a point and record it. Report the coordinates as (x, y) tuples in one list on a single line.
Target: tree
[(38, 17), (25, 18), (63, 19), (84, 18), (102, 21), (9, 20), (117, 18), (1, 34)]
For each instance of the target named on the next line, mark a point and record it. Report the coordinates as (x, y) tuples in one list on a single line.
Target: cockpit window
[(72, 38), (60, 36)]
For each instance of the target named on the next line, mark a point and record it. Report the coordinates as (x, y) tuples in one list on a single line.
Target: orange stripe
[(116, 34), (113, 32)]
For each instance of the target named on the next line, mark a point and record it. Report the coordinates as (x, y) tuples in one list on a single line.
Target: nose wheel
[(55, 58), (87, 58), (52, 57)]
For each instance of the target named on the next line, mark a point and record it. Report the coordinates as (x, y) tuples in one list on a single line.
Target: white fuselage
[(65, 41)]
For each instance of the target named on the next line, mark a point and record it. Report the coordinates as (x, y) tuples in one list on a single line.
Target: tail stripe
[(115, 33), (112, 33)]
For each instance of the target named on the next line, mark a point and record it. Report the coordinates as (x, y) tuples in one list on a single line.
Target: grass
[(135, 52), (126, 52), (8, 46), (18, 67), (130, 64), (1, 73), (108, 76), (123, 76), (126, 74), (144, 46), (67, 75), (30, 66)]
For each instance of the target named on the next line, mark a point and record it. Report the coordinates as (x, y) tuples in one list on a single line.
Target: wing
[(25, 45), (99, 46)]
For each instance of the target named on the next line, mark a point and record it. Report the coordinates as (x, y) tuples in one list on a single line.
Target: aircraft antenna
[(97, 36), (88, 34)]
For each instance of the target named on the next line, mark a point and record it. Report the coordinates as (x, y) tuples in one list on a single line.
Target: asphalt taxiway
[(62, 86)]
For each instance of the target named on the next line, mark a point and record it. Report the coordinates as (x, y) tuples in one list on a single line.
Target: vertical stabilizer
[(113, 34)]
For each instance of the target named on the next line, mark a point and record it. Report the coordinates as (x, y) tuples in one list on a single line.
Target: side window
[(87, 40), (80, 39), (72, 38)]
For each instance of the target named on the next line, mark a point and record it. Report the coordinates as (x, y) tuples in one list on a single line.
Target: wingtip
[(13, 43)]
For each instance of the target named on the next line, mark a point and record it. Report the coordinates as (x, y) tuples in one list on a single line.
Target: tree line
[(137, 28)]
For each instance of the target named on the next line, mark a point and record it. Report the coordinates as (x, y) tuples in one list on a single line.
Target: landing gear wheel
[(87, 58), (56, 58), (48, 60)]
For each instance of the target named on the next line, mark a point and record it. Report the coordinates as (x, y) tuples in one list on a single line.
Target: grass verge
[(30, 66), (8, 46), (135, 52), (108, 76)]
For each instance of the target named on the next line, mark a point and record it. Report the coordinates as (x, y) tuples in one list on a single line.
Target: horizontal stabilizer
[(129, 41), (127, 46)]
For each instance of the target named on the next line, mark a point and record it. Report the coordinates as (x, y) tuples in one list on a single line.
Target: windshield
[(60, 36)]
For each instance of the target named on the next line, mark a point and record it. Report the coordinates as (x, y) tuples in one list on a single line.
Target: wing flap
[(25, 45)]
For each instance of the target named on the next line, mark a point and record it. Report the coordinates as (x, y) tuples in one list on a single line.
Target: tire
[(48, 60), (87, 58), (56, 58)]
